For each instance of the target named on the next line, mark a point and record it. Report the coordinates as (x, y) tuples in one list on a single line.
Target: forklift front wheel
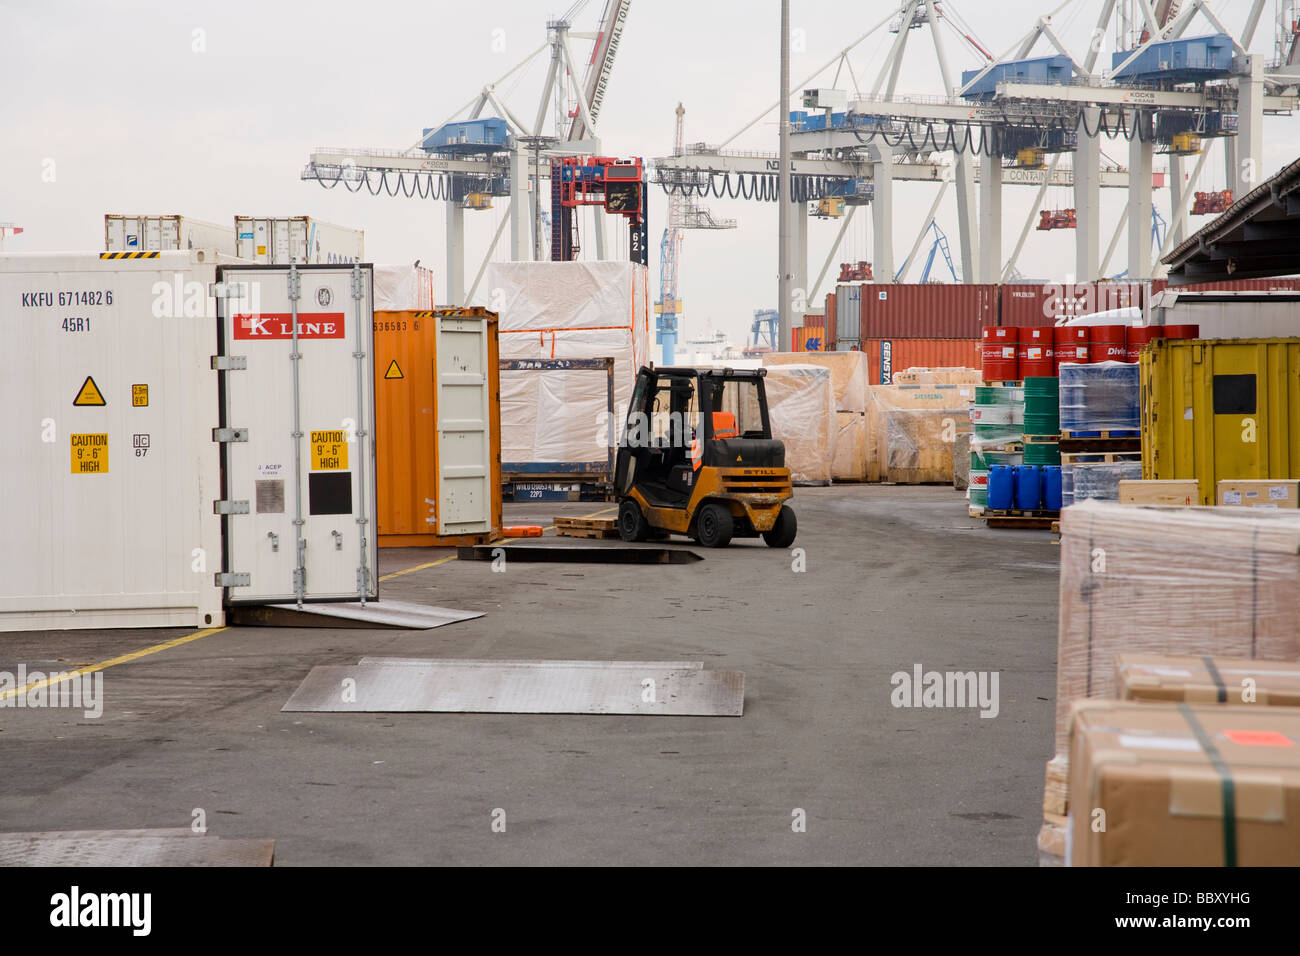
[(784, 530), (714, 526), (631, 522)]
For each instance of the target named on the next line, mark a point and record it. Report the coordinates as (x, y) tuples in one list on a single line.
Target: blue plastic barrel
[(1029, 488), (1052, 487), (1002, 487)]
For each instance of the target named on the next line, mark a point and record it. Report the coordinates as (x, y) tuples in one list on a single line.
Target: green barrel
[(1042, 453), (997, 414), (1042, 406)]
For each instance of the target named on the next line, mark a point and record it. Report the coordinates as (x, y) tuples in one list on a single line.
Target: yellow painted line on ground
[(113, 662), (418, 567)]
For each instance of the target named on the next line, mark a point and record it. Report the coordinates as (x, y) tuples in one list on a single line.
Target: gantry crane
[(466, 161), (683, 213)]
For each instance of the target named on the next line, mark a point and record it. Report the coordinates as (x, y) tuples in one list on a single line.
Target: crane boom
[(601, 66)]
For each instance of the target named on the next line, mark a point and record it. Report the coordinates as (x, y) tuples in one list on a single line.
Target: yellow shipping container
[(1221, 409)]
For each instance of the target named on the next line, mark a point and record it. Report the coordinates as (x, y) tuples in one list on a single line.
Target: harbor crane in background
[(683, 213), (1012, 120), (486, 150)]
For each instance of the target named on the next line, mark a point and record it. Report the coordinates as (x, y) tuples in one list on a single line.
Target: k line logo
[(279, 325)]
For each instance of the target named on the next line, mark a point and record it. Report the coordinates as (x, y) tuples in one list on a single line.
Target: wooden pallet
[(1099, 457), (1042, 439), (1003, 384), (1103, 434), (587, 527), (1024, 520)]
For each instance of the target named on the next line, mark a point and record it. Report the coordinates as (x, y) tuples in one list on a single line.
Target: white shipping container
[(300, 516), (165, 234), (298, 239), (1230, 315), (109, 470)]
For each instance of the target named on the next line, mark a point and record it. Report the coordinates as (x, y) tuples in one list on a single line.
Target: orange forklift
[(697, 458)]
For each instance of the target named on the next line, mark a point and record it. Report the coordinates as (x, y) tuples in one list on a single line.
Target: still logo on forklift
[(279, 325)]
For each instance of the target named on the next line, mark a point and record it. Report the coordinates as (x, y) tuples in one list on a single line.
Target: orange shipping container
[(886, 356), (439, 469)]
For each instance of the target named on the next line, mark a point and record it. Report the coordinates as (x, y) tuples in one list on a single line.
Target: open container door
[(297, 427), (463, 380)]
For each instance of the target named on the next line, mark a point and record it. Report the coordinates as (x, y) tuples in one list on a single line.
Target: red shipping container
[(828, 343), (886, 356), (999, 358), (1182, 331), (1034, 306), (927, 311), (1232, 285), (1036, 351), (1109, 343)]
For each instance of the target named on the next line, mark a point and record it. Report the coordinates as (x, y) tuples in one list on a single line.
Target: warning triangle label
[(89, 394), (394, 370)]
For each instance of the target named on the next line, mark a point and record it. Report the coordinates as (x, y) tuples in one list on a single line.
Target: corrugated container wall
[(439, 482), (829, 312), (1035, 306), (1216, 410), (1239, 285), (300, 239), (848, 313), (928, 311), (887, 356)]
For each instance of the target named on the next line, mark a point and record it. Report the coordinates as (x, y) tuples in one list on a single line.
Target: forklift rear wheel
[(714, 526), (631, 522), (783, 531)]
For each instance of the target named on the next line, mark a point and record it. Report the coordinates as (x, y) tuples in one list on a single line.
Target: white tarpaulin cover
[(557, 310), (801, 405), (398, 288)]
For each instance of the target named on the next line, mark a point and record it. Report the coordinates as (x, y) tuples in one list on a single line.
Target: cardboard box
[(1184, 785), (1207, 680), (1258, 493), (1175, 491)]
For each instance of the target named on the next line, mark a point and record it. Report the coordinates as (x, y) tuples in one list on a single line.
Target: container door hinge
[(229, 363), (229, 434), (231, 579), (228, 290), (363, 580), (230, 507)]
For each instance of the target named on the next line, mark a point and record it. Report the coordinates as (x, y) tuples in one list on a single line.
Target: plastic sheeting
[(1170, 581), (801, 406), (913, 430), (398, 288), (567, 310), (848, 374), (554, 416), (1100, 396)]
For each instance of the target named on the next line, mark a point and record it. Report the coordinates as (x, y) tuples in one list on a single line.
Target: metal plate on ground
[(482, 662), (131, 848), (520, 689), (398, 614), (609, 554)]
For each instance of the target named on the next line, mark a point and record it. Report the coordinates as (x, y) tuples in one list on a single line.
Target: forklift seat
[(724, 425)]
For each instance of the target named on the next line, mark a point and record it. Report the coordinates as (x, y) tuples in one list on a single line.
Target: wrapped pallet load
[(398, 288), (849, 382), (1142, 580), (567, 310), (913, 431), (801, 404)]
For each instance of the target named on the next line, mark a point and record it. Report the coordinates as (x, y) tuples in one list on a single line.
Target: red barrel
[(1182, 331), (1138, 336), (1070, 344), (1036, 353), (998, 353), (1107, 344)]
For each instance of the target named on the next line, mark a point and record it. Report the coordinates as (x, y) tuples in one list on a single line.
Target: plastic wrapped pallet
[(559, 310), (1099, 481), (399, 288), (913, 430), (848, 374), (1184, 785), (939, 376), (1100, 396), (850, 463), (801, 405), (1170, 581)]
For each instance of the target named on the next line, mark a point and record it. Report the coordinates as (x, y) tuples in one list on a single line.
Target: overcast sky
[(210, 110)]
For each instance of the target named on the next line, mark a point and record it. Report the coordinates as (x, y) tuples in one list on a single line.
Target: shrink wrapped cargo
[(848, 374), (1207, 680), (398, 288), (1170, 581), (1100, 396), (801, 404), (913, 431)]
